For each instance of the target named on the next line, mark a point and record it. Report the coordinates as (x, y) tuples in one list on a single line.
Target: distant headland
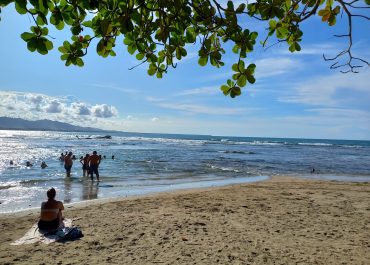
[(7, 123)]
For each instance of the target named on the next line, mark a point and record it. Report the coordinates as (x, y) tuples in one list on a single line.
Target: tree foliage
[(158, 32)]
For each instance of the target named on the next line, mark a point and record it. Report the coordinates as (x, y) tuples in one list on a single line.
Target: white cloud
[(331, 90), (265, 68), (275, 66), (200, 91), (54, 107), (104, 111), (154, 119), (154, 99), (81, 108), (311, 49), (34, 106), (116, 88), (201, 109)]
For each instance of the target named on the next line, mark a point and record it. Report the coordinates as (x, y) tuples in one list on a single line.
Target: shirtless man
[(68, 162), (93, 162), (51, 213)]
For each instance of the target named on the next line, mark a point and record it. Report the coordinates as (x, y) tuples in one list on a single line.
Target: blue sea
[(147, 163)]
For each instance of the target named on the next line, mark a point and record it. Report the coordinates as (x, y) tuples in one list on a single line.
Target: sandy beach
[(280, 221)]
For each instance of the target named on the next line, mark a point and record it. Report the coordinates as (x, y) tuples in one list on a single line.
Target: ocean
[(147, 163)]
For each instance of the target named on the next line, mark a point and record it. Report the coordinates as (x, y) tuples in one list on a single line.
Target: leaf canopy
[(158, 32)]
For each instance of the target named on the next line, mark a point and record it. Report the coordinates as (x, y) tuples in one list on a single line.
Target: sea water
[(146, 163)]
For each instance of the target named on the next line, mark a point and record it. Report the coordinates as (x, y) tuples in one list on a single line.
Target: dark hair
[(51, 193), (95, 152)]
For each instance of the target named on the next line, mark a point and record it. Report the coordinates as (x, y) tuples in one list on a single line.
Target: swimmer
[(43, 165), (28, 164)]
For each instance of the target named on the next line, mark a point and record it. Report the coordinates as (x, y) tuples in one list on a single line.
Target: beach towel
[(64, 233)]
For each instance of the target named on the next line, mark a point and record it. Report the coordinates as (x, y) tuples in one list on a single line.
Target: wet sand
[(280, 221)]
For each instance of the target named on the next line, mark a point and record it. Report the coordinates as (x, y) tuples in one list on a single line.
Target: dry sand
[(280, 221)]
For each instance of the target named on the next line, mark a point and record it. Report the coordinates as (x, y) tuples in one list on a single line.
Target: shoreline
[(153, 190), (283, 220), (208, 185), (92, 202)]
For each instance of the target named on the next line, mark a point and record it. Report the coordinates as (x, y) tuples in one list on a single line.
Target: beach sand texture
[(281, 221)]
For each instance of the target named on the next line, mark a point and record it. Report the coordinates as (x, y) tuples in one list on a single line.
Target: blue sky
[(296, 95)]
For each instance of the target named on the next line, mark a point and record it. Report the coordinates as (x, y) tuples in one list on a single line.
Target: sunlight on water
[(147, 163)]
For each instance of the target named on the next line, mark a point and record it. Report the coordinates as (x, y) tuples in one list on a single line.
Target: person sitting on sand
[(94, 161), (85, 165), (68, 162), (43, 165), (51, 213)]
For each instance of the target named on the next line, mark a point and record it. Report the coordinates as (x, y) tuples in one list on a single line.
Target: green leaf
[(140, 56), (272, 24), (87, 24), (281, 32), (332, 20), (152, 71), (64, 57), (190, 35), (60, 25), (297, 46), (26, 36), (203, 60), (159, 74), (21, 6), (128, 40), (48, 45), (235, 91), (236, 48), (251, 79), (242, 80), (240, 8), (367, 2), (131, 48), (241, 66), (79, 62), (225, 89), (106, 27), (31, 45), (44, 31)]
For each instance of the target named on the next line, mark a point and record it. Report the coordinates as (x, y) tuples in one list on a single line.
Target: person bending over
[(51, 213)]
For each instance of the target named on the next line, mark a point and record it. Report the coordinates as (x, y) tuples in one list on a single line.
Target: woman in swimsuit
[(51, 212), (85, 165)]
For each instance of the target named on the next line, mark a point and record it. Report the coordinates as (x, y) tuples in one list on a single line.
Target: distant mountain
[(7, 123)]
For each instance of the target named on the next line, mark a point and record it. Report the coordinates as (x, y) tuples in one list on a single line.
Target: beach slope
[(280, 221)]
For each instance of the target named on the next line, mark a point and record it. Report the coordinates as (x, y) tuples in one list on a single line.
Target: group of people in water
[(90, 164), (28, 164)]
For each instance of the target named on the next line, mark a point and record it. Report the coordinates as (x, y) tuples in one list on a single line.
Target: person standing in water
[(93, 162), (85, 165), (68, 162)]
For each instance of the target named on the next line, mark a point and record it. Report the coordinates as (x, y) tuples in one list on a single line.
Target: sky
[(296, 95)]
